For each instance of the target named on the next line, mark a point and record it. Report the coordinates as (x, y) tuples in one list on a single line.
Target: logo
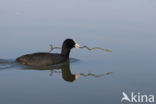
[(137, 97)]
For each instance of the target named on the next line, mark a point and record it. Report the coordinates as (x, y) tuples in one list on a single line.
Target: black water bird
[(46, 59)]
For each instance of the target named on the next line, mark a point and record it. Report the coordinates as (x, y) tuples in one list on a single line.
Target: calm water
[(128, 28)]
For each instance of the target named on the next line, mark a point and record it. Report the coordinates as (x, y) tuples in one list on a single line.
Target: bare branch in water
[(107, 50), (52, 47)]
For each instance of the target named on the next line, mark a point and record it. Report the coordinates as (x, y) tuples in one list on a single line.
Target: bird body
[(42, 59), (45, 59)]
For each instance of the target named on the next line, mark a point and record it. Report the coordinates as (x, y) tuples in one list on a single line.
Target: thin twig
[(107, 50)]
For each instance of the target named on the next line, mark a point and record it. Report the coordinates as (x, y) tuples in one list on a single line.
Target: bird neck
[(65, 51)]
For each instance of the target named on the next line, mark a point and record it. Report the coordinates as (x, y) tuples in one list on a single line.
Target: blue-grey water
[(127, 27)]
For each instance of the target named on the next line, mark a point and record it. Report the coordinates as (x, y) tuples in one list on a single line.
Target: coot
[(46, 59)]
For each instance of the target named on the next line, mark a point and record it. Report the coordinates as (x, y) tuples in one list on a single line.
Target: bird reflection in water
[(66, 73), (68, 76), (65, 69)]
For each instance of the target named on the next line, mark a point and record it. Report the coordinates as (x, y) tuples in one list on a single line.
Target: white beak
[(77, 46)]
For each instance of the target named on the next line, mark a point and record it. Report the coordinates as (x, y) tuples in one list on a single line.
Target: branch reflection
[(67, 75)]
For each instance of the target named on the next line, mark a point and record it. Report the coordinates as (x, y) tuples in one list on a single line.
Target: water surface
[(125, 27)]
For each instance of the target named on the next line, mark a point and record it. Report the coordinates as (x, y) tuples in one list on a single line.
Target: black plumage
[(45, 59)]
